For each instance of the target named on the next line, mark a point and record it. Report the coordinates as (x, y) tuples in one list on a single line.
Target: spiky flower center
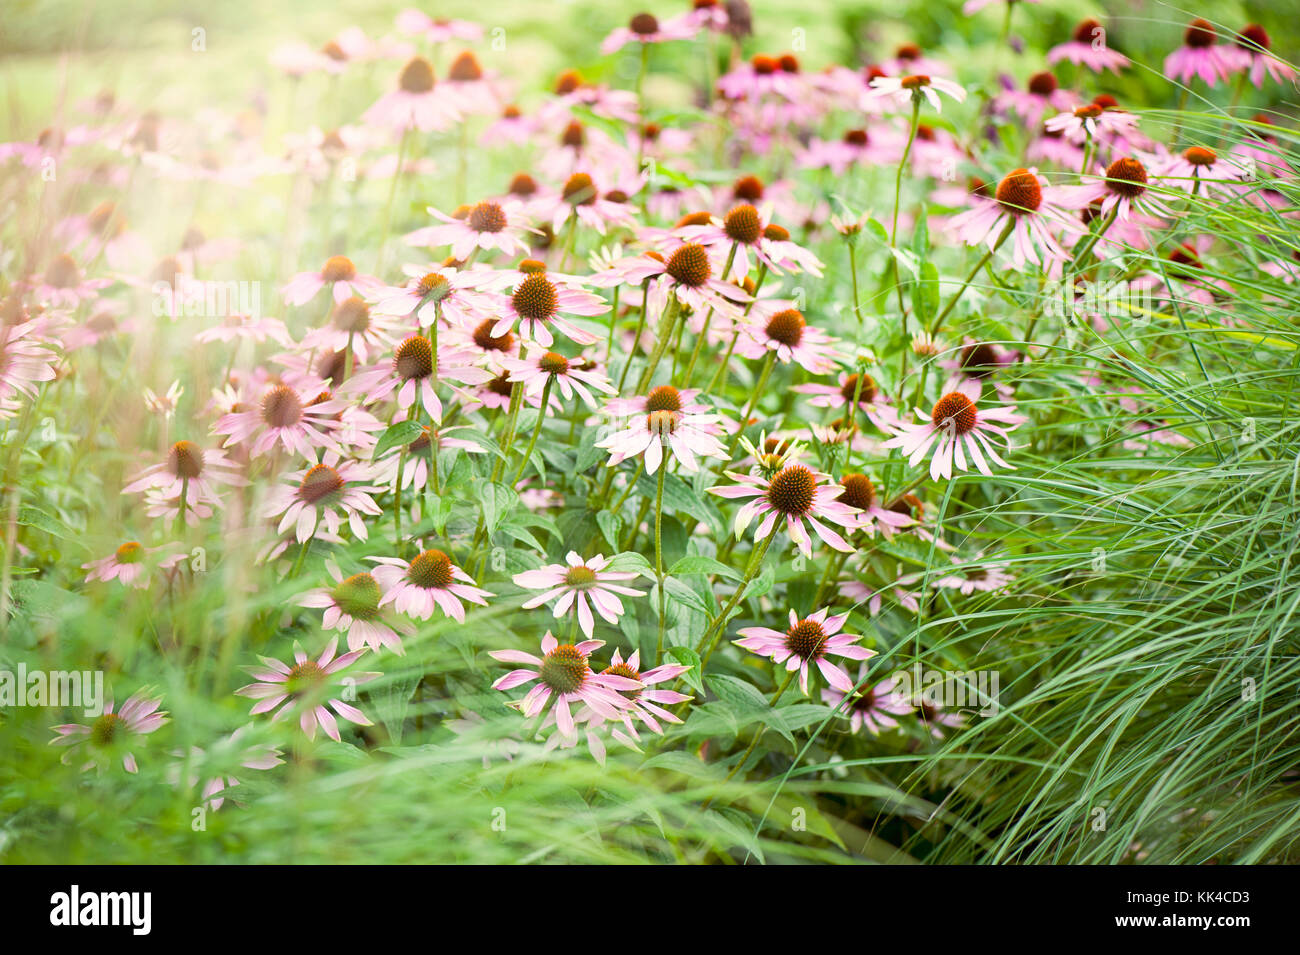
[(628, 673), (185, 460), (1019, 192), (565, 669), (357, 596), (914, 82), (522, 185), (742, 225), (787, 327), (644, 24), (417, 76), (487, 217), (553, 363), (501, 385), (305, 677), (806, 639), (579, 190), (1200, 34), (108, 729), (979, 360), (130, 553), (776, 233), (1086, 31), (62, 272), (430, 570), (320, 482), (465, 69), (281, 407), (413, 358), (338, 268), (485, 340), (662, 423), (580, 577), (864, 699), (747, 189), (858, 491), (433, 286), (1127, 176), (1254, 38), (954, 412), (1043, 84), (1200, 156), (532, 266), (573, 136), (663, 398), (792, 490), (693, 218), (689, 265), (535, 297), (866, 392), (352, 315), (764, 65)]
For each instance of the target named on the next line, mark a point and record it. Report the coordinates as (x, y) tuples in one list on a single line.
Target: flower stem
[(537, 428), (659, 556), (902, 164), (768, 364), (392, 194), (971, 277), (706, 645)]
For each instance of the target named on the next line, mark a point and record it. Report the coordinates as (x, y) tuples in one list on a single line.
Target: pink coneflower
[(190, 472), (216, 788), (646, 28), (857, 147), (540, 366), (1251, 51), (902, 90), (353, 605), (1200, 55), (128, 564), (935, 718), (771, 328), (871, 707), (807, 642), (418, 23), (26, 358), (285, 415), (857, 590), (1087, 47), (1040, 94), (306, 687), (317, 494), (666, 418), (428, 580), (646, 705), (62, 284), (687, 271), (469, 86), (795, 494), (742, 228), (1033, 210), (1125, 190), (352, 324), (970, 577), (435, 289), (585, 198), (419, 453), (339, 273), (486, 225), (872, 400), (960, 427), (860, 494), (580, 585), (540, 302), (111, 732), (565, 674), (1201, 171), (237, 327), (412, 376), (414, 104), (1091, 121), (763, 76)]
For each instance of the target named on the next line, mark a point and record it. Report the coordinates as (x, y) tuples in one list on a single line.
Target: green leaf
[(398, 435), (737, 693), (680, 593), (35, 517), (498, 501), (610, 524), (688, 657), (925, 293), (702, 565)]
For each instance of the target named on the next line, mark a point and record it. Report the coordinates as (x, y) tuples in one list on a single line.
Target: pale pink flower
[(1251, 51), (237, 327), (776, 326), (1087, 46), (646, 705), (306, 687), (129, 564), (569, 376), (646, 28), (415, 104), (901, 90), (427, 581), (665, 419), (486, 225), (540, 303), (412, 376), (793, 494), (873, 708), (354, 605), (971, 577), (339, 273), (418, 23), (564, 675), (1092, 122), (294, 418), (1199, 56), (433, 289), (808, 641), (960, 428), (217, 788), (1035, 211), (111, 732), (872, 400), (324, 494), (687, 271), (580, 585), (1201, 171), (860, 493), (26, 358)]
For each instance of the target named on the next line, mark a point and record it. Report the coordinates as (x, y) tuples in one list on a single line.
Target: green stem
[(659, 556), (537, 428), (971, 277)]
